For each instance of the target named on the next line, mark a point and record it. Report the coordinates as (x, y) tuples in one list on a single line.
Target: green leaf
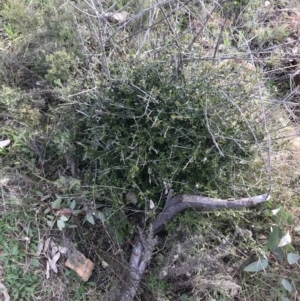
[(284, 298), (47, 211), (273, 238), (100, 215), (292, 258), (73, 204), (257, 266), (76, 212), (286, 284), (71, 226), (56, 204), (34, 262), (90, 219), (50, 223), (15, 250), (288, 218), (64, 218), (60, 224), (278, 253)]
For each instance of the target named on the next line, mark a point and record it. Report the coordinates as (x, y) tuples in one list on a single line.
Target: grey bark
[(143, 249)]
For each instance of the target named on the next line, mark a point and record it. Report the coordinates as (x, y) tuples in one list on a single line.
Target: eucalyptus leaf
[(40, 248), (292, 258), (71, 226), (47, 211), (50, 223), (278, 253), (73, 204), (64, 218), (60, 224), (52, 265), (286, 284), (90, 219), (257, 266), (100, 215), (56, 204), (56, 257)]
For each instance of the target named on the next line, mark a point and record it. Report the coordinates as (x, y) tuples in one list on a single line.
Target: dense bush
[(145, 130)]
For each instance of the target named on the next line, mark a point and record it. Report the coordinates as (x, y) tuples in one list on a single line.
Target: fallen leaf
[(52, 265), (275, 211), (151, 205), (54, 249), (56, 257), (117, 17), (46, 245), (63, 250), (48, 270), (40, 248), (285, 240), (4, 143)]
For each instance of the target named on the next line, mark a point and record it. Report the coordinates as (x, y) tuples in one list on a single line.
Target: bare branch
[(143, 249), (185, 201)]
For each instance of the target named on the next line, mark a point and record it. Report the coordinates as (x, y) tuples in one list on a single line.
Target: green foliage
[(61, 66), (20, 278), (145, 130), (41, 31), (277, 34), (280, 248), (18, 106)]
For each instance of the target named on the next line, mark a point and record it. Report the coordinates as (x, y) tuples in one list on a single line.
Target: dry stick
[(220, 35), (202, 27), (144, 29), (142, 250), (185, 201)]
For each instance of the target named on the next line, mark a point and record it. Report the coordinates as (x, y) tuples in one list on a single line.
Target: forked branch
[(143, 249)]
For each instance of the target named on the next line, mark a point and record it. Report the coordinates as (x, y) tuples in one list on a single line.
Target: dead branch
[(143, 249), (185, 201)]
